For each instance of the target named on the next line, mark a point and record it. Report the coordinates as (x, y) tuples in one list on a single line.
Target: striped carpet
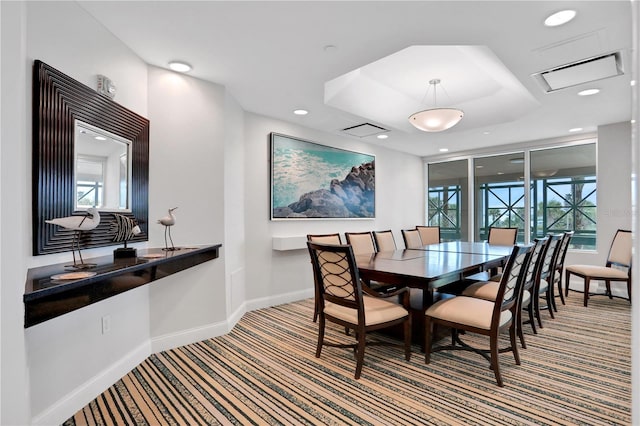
[(577, 370)]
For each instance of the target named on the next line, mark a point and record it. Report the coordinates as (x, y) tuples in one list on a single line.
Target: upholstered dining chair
[(502, 236), (344, 301), (411, 238), (544, 285), (488, 290), (361, 242), (324, 239), (617, 268), (563, 248), (384, 240), (429, 234), (489, 318)]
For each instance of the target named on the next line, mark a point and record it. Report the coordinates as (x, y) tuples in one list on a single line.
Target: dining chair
[(617, 268), (324, 239), (384, 240), (412, 239), (429, 234), (361, 242), (488, 290), (344, 301), (489, 318), (558, 273), (502, 236), (543, 288)]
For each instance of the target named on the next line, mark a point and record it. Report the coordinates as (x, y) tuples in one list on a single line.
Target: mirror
[(63, 107), (102, 171)]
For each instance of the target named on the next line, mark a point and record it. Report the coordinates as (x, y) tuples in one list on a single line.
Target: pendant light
[(436, 119)]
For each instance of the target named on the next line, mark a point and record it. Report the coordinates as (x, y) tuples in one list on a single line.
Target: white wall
[(277, 277), (186, 171)]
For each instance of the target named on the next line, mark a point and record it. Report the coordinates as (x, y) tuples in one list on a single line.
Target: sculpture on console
[(125, 228), (168, 221), (78, 224)]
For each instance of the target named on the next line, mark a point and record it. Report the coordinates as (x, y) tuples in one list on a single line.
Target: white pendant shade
[(436, 119)]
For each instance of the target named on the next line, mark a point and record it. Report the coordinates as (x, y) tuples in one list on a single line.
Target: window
[(499, 189), (447, 199), (563, 193)]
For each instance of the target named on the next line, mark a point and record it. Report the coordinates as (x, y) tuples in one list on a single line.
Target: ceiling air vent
[(584, 71), (364, 130)]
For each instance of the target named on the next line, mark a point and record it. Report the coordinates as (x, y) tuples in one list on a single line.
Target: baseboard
[(58, 412), (186, 337), (267, 302)]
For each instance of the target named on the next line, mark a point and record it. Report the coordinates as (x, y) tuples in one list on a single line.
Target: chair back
[(564, 248), (538, 251), (336, 276), (411, 238), (361, 242), (620, 252), (511, 285), (429, 234), (502, 236), (549, 261), (325, 238), (384, 240)]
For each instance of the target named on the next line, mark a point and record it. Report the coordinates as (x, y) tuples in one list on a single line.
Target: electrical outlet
[(106, 324)]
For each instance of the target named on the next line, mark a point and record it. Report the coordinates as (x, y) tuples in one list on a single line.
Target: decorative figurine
[(78, 224), (124, 228), (168, 222)]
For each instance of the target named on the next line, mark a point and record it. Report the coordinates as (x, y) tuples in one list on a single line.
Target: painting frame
[(309, 180)]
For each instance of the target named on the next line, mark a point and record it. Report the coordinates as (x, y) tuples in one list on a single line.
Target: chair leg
[(551, 297), (550, 300), (360, 353), (321, 323), (514, 346), (607, 284), (567, 276), (536, 308), (520, 332), (427, 339), (587, 282), (629, 289), (495, 363), (560, 288), (407, 339), (531, 320)]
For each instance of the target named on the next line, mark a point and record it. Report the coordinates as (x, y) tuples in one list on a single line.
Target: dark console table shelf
[(46, 298)]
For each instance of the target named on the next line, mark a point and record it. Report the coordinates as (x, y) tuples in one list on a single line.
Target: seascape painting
[(309, 180)]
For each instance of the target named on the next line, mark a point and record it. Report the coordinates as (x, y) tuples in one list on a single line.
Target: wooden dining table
[(432, 266)]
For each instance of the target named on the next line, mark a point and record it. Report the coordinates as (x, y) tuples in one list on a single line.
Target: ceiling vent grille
[(363, 130), (584, 71)]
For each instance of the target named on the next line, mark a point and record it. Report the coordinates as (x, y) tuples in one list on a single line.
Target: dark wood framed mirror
[(59, 103)]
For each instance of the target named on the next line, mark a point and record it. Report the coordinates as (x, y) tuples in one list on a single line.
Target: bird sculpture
[(78, 224), (124, 228), (168, 222)]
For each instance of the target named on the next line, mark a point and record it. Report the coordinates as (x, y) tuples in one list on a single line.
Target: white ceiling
[(273, 57)]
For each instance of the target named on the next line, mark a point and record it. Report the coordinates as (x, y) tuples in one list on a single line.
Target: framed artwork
[(313, 181)]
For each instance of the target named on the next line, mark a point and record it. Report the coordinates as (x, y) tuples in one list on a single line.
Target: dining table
[(432, 266), (431, 271)]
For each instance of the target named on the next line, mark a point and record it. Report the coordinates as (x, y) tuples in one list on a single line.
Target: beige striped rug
[(577, 370)]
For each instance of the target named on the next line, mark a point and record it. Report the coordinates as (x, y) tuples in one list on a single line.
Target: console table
[(46, 298)]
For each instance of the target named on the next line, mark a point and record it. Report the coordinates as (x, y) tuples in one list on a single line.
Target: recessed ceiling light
[(486, 133), (382, 136), (180, 66), (575, 129), (632, 82), (500, 173), (301, 112), (560, 18), (444, 149), (100, 138), (588, 92), (633, 121)]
